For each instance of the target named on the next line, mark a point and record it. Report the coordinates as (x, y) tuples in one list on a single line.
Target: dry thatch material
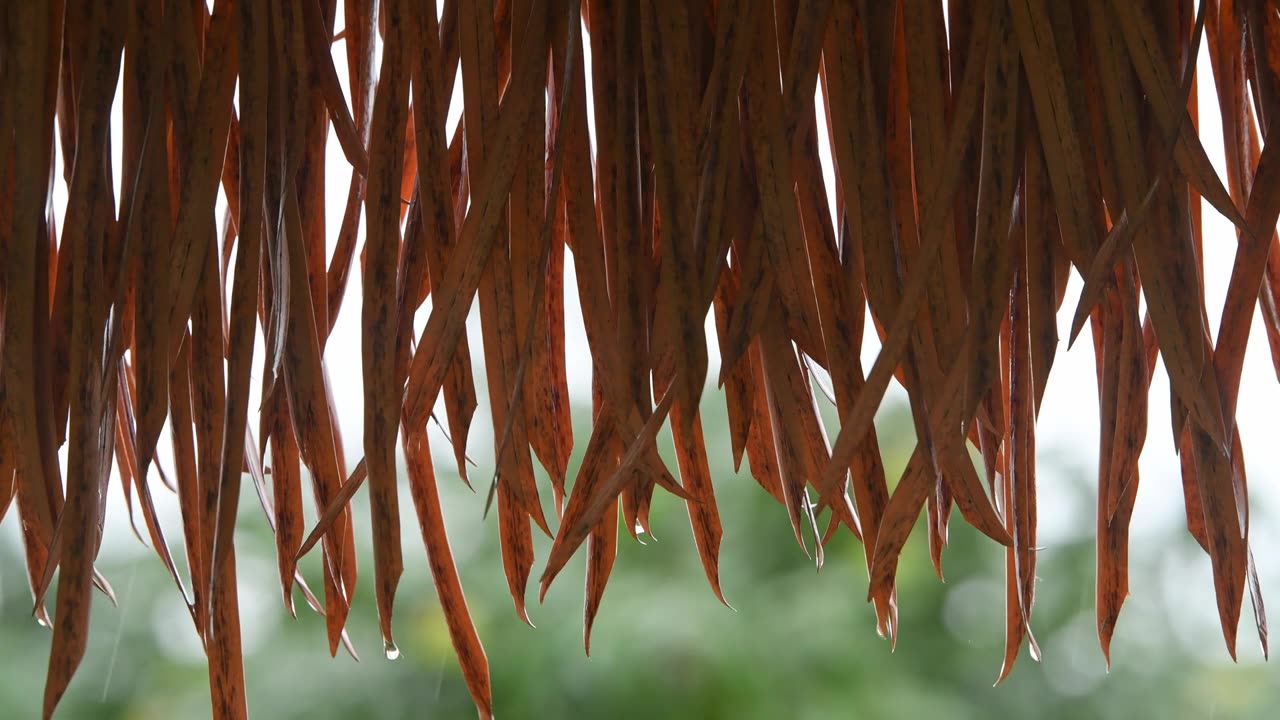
[(976, 163)]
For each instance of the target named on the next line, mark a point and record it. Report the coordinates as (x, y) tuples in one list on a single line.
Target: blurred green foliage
[(801, 644)]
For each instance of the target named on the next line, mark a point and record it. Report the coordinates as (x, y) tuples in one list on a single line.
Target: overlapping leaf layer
[(981, 150)]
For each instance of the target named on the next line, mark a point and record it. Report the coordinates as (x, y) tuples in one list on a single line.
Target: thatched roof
[(980, 152)]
